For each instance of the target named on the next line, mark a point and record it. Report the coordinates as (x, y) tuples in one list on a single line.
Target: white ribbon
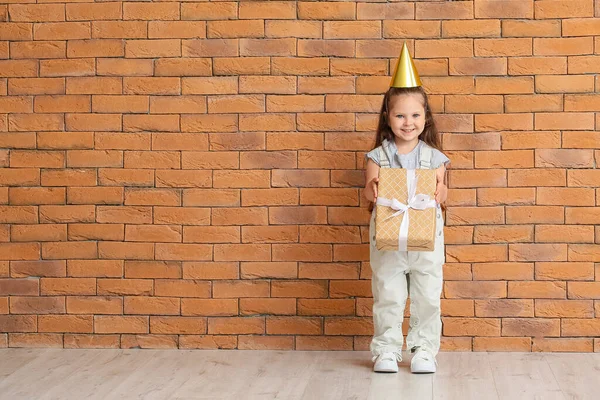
[(415, 201)]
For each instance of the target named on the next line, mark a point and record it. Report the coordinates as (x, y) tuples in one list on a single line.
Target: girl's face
[(406, 117)]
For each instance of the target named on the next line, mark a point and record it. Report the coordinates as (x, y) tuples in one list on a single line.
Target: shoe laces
[(388, 356), (425, 355)]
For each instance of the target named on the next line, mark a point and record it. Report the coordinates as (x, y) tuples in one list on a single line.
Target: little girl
[(406, 138)]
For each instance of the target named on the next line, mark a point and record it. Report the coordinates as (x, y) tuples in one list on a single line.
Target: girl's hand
[(371, 190), (441, 193)]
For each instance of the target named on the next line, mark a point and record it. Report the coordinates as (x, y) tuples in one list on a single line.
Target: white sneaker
[(386, 362), (423, 362)]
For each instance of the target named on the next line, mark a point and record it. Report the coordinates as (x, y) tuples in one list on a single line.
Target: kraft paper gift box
[(405, 221)]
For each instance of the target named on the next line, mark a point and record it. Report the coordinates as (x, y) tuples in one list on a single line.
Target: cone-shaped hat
[(405, 74)]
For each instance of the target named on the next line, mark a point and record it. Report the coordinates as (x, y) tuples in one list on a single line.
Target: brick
[(295, 66), (268, 197), (209, 307), (268, 84), (474, 104), (564, 271), (449, 85), (70, 140), (537, 177), (210, 48), (561, 84), (120, 324), (504, 85), (502, 344), (326, 159), (446, 11), (94, 85), (563, 9), (209, 123), (277, 270), (357, 67), (268, 47), (95, 268), (480, 178), (582, 177), (385, 11), (153, 48), (164, 123), (209, 11), (565, 196), (209, 85), (176, 29), (16, 31), (444, 48), (563, 158), (295, 103), (326, 11), (267, 122), (151, 85), (211, 234), (152, 11), (537, 290), (179, 141), (236, 29), (504, 159), (581, 103), (537, 252), (344, 325), (503, 234), (504, 9), (503, 47), (298, 29), (18, 68), (533, 103), (563, 46), (504, 308), (177, 325), (62, 31), (537, 65), (38, 49), (66, 213), (95, 48), (579, 327), (81, 341), (183, 67), (562, 345), (474, 290), (65, 323), (584, 252), (499, 122), (58, 104), (240, 216), (564, 308), (35, 122), (531, 28), (535, 214), (583, 64), (471, 28), (120, 104), (461, 197), (24, 269), (486, 66), (471, 326), (333, 271), (298, 215), (458, 234), (97, 122), (181, 288), (325, 48), (208, 342), (503, 271), (39, 159), (331, 197), (351, 29), (93, 12), (152, 269), (119, 29), (124, 67), (500, 196), (238, 289), (33, 86), (530, 327), (36, 12), (478, 141), (476, 253), (242, 252), (210, 197), (301, 252)]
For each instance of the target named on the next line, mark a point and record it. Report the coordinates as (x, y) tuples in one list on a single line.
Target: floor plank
[(65, 374)]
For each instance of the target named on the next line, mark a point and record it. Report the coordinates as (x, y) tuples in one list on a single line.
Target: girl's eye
[(400, 116), (416, 115)]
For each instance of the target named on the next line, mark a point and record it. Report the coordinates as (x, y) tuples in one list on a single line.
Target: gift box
[(405, 209)]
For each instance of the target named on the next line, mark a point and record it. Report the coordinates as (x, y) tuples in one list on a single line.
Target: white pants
[(396, 274)]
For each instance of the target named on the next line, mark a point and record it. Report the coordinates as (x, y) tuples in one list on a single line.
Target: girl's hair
[(430, 133)]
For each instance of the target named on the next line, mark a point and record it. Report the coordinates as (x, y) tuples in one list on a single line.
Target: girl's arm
[(371, 179), (441, 190)]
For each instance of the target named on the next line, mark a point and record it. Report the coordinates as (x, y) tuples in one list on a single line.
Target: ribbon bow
[(415, 201)]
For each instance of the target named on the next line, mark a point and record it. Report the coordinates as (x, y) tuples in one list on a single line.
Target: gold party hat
[(405, 74)]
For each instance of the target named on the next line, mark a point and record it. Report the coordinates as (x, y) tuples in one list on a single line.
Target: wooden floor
[(186, 374)]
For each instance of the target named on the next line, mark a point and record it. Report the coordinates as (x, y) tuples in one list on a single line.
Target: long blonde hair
[(430, 133)]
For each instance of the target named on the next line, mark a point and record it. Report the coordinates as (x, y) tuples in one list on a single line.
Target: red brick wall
[(188, 174)]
